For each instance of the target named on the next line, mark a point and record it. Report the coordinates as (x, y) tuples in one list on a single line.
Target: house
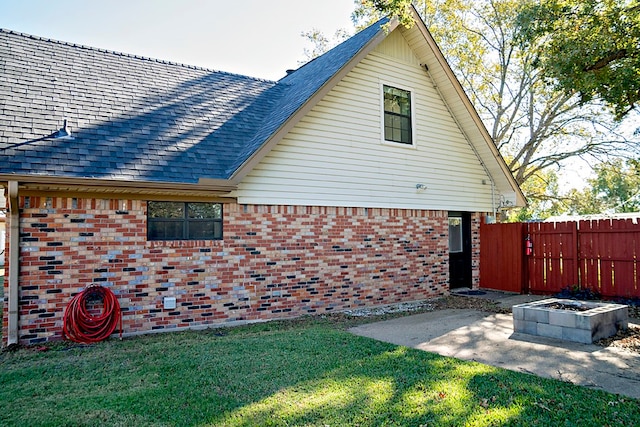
[(359, 179)]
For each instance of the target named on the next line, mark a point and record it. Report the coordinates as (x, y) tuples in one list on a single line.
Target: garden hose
[(81, 326)]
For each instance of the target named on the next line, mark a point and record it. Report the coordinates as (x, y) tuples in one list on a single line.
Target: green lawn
[(309, 373)]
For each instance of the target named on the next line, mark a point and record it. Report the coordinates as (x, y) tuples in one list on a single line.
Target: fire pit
[(579, 321)]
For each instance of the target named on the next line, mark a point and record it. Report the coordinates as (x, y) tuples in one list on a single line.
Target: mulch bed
[(628, 340)]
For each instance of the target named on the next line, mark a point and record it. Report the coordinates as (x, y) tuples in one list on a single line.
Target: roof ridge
[(378, 23), (127, 55)]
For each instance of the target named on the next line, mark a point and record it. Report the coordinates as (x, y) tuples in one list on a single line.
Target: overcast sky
[(258, 38)]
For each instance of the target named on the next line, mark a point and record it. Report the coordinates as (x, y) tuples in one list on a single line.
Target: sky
[(258, 38)]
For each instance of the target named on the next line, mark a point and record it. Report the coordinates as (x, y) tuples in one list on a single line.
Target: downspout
[(14, 263)]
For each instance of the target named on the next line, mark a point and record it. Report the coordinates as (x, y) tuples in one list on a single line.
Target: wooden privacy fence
[(601, 255)]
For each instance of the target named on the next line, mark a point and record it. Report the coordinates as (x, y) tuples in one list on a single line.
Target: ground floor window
[(184, 221), (455, 234)]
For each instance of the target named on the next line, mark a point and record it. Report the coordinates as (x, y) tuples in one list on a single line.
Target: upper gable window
[(397, 115)]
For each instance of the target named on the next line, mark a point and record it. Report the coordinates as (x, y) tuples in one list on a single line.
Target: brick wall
[(476, 219), (274, 262)]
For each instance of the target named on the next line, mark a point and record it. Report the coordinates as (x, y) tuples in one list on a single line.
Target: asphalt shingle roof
[(139, 119)]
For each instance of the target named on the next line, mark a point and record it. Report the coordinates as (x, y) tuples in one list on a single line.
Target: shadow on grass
[(303, 375), (395, 386), (398, 386)]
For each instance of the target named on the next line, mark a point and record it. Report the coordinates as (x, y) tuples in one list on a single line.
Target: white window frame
[(459, 236), (411, 91)]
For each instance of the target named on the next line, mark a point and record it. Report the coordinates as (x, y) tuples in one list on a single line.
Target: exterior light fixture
[(421, 187)]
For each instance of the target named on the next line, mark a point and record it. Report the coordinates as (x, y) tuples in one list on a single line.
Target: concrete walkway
[(489, 338)]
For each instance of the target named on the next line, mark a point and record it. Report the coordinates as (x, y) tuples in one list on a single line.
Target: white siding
[(335, 155)]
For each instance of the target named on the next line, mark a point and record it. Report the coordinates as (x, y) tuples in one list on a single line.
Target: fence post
[(576, 247), (525, 260)]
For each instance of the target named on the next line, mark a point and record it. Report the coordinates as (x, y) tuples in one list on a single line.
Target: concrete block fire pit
[(578, 321)]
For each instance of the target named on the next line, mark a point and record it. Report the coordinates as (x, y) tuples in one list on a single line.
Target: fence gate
[(601, 255), (502, 256)]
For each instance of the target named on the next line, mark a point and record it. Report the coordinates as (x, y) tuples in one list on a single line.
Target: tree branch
[(600, 64)]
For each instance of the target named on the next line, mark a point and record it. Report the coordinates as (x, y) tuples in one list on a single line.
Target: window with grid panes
[(184, 221), (397, 115)]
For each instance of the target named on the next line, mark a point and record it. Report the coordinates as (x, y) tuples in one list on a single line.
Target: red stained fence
[(601, 255), (501, 256)]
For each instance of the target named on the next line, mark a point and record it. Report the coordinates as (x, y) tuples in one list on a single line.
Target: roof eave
[(214, 188)]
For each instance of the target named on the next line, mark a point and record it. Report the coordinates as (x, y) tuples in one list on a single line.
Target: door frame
[(462, 276)]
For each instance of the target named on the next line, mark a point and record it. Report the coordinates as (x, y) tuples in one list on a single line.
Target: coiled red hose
[(82, 327)]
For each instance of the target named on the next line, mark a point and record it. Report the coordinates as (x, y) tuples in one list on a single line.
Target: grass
[(298, 373)]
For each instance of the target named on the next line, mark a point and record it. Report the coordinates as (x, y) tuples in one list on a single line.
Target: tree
[(547, 202), (321, 43), (400, 9), (535, 126), (615, 189), (587, 46), (582, 202)]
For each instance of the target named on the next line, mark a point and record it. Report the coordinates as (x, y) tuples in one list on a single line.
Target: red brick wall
[(476, 219), (274, 262)]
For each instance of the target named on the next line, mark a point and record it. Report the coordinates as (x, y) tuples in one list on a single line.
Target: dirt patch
[(627, 340), (458, 302), (570, 307), (634, 311)]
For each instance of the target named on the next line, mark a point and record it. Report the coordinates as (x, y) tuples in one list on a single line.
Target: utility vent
[(169, 303)]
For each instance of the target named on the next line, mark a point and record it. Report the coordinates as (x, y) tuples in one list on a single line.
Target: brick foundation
[(274, 262)]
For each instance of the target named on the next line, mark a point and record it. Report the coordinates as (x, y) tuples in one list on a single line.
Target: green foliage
[(615, 189), (588, 46), (304, 373), (400, 9), (542, 191), (583, 202)]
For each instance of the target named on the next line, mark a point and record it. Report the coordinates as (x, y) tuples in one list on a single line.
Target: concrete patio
[(490, 339)]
